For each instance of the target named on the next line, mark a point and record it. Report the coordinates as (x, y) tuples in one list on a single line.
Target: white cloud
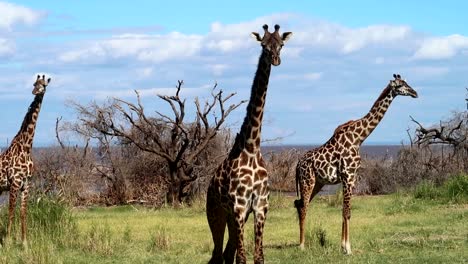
[(425, 72), (311, 76), (218, 69), (145, 72), (379, 60), (348, 40), (442, 47), (356, 39), (7, 47), (13, 14), (151, 48)]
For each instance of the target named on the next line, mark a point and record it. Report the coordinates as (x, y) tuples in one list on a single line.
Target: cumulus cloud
[(13, 14), (348, 40), (311, 76), (442, 47), (7, 47), (152, 48)]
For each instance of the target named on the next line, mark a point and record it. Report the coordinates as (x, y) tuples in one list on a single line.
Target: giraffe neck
[(25, 135), (248, 139), (372, 119)]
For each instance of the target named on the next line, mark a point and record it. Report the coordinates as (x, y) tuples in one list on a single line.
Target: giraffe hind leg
[(24, 207), (345, 243), (216, 216), (301, 206)]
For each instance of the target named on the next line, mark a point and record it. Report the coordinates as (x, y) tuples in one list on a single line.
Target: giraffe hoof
[(301, 247), (347, 251)]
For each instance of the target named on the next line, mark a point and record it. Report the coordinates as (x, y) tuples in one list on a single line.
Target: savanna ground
[(425, 225)]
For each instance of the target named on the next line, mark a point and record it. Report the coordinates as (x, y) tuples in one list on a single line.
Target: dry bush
[(281, 166), (116, 173), (411, 167), (65, 172)]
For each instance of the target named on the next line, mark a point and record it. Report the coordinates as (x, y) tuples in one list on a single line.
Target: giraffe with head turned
[(240, 184), (338, 160), (16, 164)]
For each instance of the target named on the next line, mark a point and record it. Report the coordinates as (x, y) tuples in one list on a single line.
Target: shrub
[(455, 190), (47, 219)]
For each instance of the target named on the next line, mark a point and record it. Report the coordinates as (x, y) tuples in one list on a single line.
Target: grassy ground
[(384, 229)]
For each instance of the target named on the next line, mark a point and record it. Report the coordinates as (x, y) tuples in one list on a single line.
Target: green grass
[(384, 229), (455, 190)]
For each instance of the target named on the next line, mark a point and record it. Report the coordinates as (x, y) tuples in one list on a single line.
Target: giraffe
[(338, 159), (16, 163), (240, 184)]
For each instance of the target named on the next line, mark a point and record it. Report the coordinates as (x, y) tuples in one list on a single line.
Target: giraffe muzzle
[(275, 60)]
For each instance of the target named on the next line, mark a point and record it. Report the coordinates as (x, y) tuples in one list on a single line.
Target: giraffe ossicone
[(240, 184), (338, 160)]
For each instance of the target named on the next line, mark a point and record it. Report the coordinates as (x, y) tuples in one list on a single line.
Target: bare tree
[(452, 132), (168, 136)]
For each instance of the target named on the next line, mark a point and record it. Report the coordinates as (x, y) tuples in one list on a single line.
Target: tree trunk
[(174, 186), (179, 187)]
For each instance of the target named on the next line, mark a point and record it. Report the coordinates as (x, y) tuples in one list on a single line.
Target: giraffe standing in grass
[(16, 164), (240, 184), (338, 159)]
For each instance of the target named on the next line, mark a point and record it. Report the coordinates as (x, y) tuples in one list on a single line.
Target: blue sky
[(338, 60)]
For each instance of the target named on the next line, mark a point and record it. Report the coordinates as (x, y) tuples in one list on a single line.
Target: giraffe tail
[(297, 182), (298, 203)]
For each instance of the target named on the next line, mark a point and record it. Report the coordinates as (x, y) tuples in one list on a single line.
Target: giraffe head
[(272, 43), (40, 85), (400, 87)]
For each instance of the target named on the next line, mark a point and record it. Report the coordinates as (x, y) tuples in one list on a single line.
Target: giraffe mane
[(382, 95), (342, 126)]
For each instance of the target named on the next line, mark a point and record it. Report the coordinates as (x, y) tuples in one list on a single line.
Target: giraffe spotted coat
[(338, 160), (240, 184), (17, 166)]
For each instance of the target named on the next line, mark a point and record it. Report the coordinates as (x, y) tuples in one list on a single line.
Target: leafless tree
[(166, 135), (452, 132)]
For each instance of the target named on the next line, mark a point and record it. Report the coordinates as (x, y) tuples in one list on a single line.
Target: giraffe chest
[(18, 166), (242, 181)]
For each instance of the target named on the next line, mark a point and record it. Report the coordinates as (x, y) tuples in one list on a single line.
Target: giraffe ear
[(256, 36), (286, 36), (48, 80)]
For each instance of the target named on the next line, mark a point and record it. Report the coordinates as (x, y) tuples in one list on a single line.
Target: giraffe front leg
[(11, 210), (240, 214), (24, 208), (260, 218), (347, 193)]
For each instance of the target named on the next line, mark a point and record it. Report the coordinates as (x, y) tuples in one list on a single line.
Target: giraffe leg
[(239, 221), (260, 218), (301, 206), (216, 216), (24, 207), (347, 193), (11, 208), (231, 247)]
